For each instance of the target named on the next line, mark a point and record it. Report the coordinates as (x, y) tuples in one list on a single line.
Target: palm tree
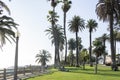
[(52, 18), (75, 25), (91, 25), (109, 10), (43, 57), (71, 47), (57, 41), (65, 7), (98, 50), (6, 29)]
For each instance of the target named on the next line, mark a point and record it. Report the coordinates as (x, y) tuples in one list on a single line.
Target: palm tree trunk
[(90, 50), (114, 66), (104, 52), (96, 64), (53, 24), (72, 58), (57, 61), (77, 64), (65, 37), (115, 44), (84, 63), (58, 53)]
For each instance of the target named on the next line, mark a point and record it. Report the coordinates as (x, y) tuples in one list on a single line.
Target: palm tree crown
[(42, 57), (57, 38), (76, 24), (6, 29), (58, 32), (105, 8), (91, 25), (71, 43), (66, 5)]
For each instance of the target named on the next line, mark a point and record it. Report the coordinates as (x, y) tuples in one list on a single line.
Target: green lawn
[(104, 73)]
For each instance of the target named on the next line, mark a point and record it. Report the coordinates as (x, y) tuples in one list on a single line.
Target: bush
[(62, 68)]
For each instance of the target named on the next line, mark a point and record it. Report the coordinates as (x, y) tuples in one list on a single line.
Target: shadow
[(92, 72)]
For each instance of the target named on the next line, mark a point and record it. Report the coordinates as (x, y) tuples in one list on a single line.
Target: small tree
[(42, 57), (98, 50)]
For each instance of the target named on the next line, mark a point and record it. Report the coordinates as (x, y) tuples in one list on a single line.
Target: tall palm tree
[(109, 10), (71, 47), (6, 29), (98, 50), (57, 41), (75, 25), (52, 18), (91, 25), (65, 7), (42, 57)]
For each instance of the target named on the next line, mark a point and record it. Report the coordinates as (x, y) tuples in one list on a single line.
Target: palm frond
[(91, 25), (76, 24), (5, 6)]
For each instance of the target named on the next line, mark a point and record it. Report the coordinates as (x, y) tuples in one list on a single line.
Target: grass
[(104, 73)]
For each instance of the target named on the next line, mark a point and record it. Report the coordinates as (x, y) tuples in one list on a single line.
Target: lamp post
[(16, 56)]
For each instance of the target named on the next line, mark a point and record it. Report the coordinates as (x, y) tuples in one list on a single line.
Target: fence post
[(4, 74), (24, 70)]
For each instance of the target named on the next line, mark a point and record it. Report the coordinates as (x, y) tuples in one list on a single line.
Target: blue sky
[(31, 16)]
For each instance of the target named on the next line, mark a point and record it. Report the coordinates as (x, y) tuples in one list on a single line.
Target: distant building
[(108, 60)]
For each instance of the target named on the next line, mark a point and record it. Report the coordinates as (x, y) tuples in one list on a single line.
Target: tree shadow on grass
[(92, 72)]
